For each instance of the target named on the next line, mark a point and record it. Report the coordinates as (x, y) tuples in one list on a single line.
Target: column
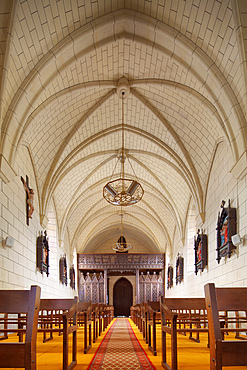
[(137, 287), (105, 286)]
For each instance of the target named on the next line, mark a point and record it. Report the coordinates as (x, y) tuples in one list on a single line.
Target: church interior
[(123, 149)]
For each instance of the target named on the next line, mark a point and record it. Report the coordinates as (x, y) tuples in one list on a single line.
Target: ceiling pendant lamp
[(123, 191), (121, 246)]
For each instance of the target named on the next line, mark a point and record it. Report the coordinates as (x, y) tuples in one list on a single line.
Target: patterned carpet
[(120, 349)]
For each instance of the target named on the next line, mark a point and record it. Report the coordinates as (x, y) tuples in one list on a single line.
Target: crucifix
[(29, 197)]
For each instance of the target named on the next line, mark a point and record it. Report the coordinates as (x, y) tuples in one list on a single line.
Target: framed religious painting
[(72, 277), (201, 251), (43, 253), (226, 228), (179, 269), (169, 277), (63, 270)]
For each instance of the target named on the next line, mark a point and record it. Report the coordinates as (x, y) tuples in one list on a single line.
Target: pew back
[(224, 352), (85, 320), (62, 313), (185, 303), (14, 301), (153, 317), (231, 299), (175, 312), (21, 355), (54, 304)]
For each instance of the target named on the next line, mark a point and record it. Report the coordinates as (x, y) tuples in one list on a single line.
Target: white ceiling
[(61, 63)]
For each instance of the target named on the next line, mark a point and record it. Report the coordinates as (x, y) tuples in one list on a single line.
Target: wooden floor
[(191, 355)]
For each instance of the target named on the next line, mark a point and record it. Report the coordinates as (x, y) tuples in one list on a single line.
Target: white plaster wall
[(230, 271), (18, 264)]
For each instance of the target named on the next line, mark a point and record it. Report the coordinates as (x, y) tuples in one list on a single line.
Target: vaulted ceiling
[(184, 63)]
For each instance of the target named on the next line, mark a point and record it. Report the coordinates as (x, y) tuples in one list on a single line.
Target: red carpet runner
[(120, 349)]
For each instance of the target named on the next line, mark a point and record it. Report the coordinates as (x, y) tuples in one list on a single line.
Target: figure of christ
[(30, 195), (199, 251), (224, 232)]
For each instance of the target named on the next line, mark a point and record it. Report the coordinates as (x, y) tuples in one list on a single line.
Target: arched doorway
[(122, 297)]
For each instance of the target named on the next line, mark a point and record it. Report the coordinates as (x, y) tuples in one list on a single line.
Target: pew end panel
[(168, 326), (95, 309), (153, 318), (70, 327), (175, 313), (22, 354), (225, 352), (85, 317), (61, 318)]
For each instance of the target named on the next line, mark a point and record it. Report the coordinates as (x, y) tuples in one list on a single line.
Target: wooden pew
[(20, 355), (135, 314), (138, 317), (95, 318), (105, 319), (153, 318), (171, 321), (238, 324), (4, 323), (109, 314), (101, 317), (225, 352), (143, 308), (132, 313), (85, 317), (61, 317)]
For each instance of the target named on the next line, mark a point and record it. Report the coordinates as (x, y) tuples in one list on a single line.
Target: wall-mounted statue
[(30, 196), (201, 251), (226, 228)]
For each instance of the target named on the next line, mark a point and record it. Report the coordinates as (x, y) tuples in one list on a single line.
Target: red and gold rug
[(120, 349)]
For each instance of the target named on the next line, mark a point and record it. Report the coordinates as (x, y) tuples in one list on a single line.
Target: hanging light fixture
[(122, 191), (121, 246)]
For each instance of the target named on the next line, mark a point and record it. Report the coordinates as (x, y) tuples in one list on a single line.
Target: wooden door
[(122, 297)]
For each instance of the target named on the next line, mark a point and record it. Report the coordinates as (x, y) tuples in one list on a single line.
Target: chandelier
[(121, 246), (123, 191)]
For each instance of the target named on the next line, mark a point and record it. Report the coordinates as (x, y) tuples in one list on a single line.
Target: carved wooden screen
[(91, 285), (151, 287), (91, 288)]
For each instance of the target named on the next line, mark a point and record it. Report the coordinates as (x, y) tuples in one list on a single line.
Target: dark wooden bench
[(226, 352), (85, 319), (60, 316), (109, 314), (176, 318), (132, 313), (95, 318), (138, 316), (4, 323), (135, 314), (101, 308), (20, 354), (139, 321), (153, 318), (106, 315), (143, 319)]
